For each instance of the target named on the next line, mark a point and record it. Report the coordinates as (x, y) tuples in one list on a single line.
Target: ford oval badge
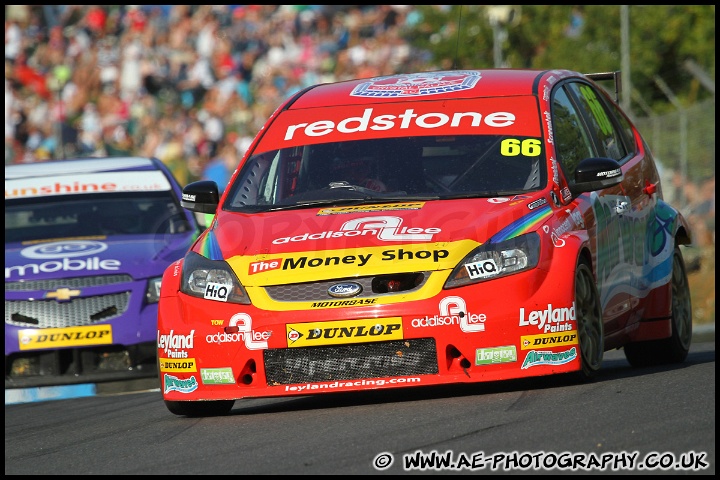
[(344, 290)]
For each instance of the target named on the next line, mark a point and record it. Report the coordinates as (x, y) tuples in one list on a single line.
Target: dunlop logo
[(549, 340), (36, 339), (177, 365), (344, 332)]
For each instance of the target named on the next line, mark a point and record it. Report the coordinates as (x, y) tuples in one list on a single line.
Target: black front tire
[(588, 312), (206, 408), (675, 348)]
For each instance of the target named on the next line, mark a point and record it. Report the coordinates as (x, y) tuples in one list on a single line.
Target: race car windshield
[(432, 167), (92, 215)]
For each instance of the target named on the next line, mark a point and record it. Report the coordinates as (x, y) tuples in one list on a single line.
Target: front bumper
[(98, 338), (490, 331), (70, 366)]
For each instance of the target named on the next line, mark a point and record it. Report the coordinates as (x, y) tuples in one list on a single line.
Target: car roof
[(448, 85), (78, 165)]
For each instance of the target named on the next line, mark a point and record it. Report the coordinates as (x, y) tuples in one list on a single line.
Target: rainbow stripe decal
[(522, 225), (208, 247)]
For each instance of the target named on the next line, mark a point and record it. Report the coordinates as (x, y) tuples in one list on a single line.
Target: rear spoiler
[(608, 76)]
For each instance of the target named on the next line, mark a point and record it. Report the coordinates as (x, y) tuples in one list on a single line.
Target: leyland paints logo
[(417, 84), (176, 345), (385, 228), (550, 319)]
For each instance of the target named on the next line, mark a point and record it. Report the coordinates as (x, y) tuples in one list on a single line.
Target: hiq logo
[(65, 249), (482, 269), (217, 291)]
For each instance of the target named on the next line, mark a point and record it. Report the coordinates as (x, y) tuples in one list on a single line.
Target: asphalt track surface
[(625, 418)]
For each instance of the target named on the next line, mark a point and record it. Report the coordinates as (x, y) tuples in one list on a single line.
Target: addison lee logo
[(385, 227), (453, 311)]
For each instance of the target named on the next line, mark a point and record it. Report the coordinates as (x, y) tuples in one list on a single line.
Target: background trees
[(663, 40)]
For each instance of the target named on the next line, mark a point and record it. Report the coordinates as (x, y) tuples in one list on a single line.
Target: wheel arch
[(576, 248), (682, 231)]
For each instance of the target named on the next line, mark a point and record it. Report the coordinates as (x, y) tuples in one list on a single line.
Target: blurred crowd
[(189, 84), (192, 84)]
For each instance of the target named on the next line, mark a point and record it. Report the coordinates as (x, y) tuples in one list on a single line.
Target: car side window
[(571, 140), (610, 142), (625, 128)]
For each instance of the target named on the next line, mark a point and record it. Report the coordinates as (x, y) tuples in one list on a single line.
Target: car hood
[(316, 244), (137, 256)]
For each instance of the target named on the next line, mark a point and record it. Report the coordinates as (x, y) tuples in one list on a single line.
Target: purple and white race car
[(86, 244)]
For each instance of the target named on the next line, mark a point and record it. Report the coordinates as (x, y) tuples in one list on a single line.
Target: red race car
[(423, 229)]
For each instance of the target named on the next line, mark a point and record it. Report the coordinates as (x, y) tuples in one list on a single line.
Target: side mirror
[(595, 174), (202, 196)]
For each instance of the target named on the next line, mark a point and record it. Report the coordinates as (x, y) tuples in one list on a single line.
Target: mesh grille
[(349, 362), (316, 291), (52, 314), (78, 282)]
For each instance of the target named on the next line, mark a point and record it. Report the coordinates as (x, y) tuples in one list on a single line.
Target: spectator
[(177, 81), (222, 166)]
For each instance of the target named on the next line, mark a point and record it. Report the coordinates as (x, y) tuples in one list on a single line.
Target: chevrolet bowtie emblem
[(62, 294)]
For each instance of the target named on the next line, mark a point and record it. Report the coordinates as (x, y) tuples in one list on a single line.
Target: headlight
[(214, 279), (152, 292), (493, 260)]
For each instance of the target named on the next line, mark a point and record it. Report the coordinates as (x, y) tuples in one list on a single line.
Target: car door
[(584, 127), (634, 205)]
